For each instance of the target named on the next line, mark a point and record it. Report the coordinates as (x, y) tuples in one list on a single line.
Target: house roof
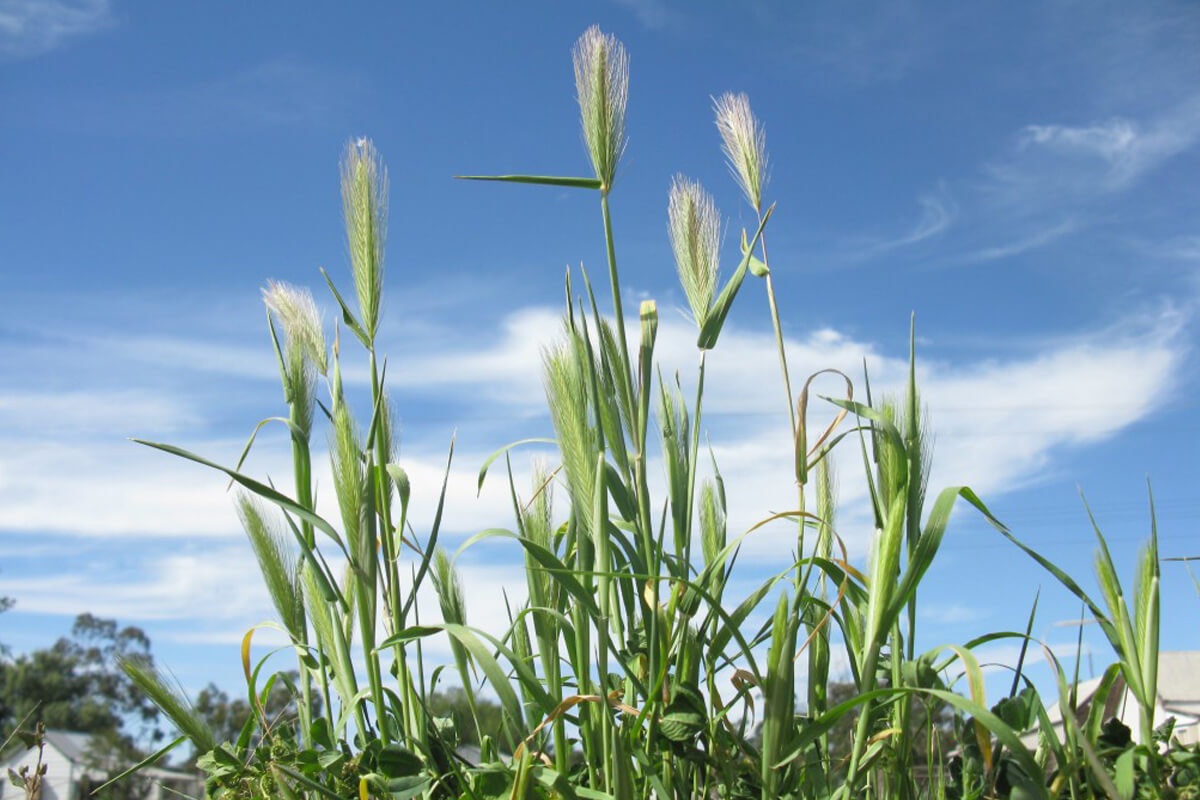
[(72, 744), (74, 747)]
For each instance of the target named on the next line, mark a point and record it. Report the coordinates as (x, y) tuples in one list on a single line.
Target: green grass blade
[(434, 529), (260, 489), (148, 761), (541, 180), (483, 471), (720, 308), (347, 315)]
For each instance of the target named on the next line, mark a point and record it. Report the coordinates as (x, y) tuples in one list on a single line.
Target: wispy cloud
[(1033, 241), (223, 581), (937, 213), (652, 14), (882, 45), (1176, 248), (277, 92), (43, 413), (1060, 163), (32, 27)]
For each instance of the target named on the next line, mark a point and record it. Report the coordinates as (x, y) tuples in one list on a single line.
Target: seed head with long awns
[(602, 85), (695, 229), (745, 144), (364, 202)]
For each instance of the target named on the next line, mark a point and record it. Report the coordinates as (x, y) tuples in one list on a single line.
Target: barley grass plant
[(633, 670)]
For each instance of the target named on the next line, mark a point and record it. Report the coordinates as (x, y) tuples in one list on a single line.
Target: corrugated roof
[(72, 744)]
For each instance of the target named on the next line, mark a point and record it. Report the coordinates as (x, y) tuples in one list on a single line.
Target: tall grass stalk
[(632, 670)]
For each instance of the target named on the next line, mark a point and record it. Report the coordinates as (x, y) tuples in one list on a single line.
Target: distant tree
[(76, 685), (5, 604), (227, 717)]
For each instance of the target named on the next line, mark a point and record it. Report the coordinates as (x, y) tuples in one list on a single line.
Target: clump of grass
[(633, 671)]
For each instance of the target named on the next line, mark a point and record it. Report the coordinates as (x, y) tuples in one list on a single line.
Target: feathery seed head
[(567, 394), (349, 476), (277, 561), (712, 523), (297, 312), (449, 588), (364, 203), (745, 144), (602, 86), (695, 229)]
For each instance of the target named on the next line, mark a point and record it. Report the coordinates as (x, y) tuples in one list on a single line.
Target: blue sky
[(1021, 176)]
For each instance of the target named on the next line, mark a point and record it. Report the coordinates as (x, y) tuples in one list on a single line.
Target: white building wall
[(56, 785)]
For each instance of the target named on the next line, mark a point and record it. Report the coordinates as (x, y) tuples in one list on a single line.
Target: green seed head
[(364, 202), (301, 321), (745, 144), (695, 229), (602, 85), (449, 588)]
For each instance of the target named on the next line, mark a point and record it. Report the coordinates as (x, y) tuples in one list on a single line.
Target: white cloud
[(1057, 163), (187, 354), (999, 425), (217, 583), (1112, 141), (40, 414), (1002, 657), (1017, 412), (32, 27), (113, 488), (948, 613), (507, 365), (218, 593)]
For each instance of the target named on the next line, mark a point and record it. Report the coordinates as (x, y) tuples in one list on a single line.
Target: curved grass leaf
[(260, 489), (503, 451)]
